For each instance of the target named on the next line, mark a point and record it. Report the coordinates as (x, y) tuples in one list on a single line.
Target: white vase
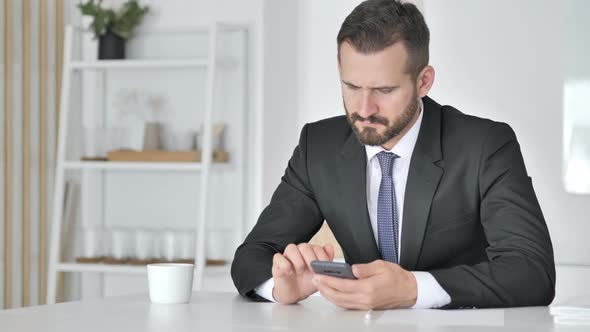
[(151, 136)]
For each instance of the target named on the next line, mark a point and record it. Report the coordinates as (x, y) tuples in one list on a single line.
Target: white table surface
[(230, 312)]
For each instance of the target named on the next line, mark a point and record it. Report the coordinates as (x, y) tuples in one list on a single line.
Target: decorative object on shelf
[(151, 136), (111, 46), (216, 262), (169, 249), (120, 247), (71, 202), (113, 27), (152, 129), (90, 246), (162, 156), (94, 144), (154, 156), (155, 104), (138, 105), (145, 111), (128, 106), (220, 155), (197, 137), (142, 246), (145, 249), (130, 113)]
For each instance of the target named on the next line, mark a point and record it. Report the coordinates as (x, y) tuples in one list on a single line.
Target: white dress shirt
[(430, 293)]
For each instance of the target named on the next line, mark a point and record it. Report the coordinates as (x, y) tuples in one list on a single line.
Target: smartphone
[(334, 269)]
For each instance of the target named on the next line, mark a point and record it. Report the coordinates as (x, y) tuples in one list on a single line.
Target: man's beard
[(370, 136)]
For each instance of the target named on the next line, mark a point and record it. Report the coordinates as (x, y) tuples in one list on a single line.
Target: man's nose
[(367, 105)]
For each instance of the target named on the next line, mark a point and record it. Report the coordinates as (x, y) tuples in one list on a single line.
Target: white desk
[(229, 312)]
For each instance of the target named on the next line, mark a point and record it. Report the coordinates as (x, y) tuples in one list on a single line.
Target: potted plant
[(113, 27)]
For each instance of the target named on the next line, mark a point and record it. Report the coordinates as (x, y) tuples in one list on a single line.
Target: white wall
[(301, 81), (280, 86), (300, 76), (319, 89), (505, 60), (576, 118)]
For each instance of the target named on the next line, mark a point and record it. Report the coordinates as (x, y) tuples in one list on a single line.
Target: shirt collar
[(405, 146)]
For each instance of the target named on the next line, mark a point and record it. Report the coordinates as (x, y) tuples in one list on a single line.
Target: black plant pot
[(111, 46)]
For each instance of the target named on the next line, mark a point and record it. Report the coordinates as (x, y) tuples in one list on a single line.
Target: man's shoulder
[(463, 134), (327, 134), (452, 116), (334, 123), (457, 123), (335, 127)]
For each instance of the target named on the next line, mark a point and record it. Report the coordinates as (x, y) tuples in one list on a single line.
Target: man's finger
[(281, 266), (321, 254), (308, 254), (344, 300), (340, 284), (329, 249), (292, 254)]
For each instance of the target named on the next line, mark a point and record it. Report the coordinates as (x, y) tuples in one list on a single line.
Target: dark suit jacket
[(471, 217)]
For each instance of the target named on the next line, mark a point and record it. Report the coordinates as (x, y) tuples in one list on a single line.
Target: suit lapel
[(354, 171), (423, 179)]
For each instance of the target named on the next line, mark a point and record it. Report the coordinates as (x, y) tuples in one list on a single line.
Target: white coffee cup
[(170, 282)]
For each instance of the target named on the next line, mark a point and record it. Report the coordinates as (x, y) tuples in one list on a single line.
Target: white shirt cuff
[(265, 289), (430, 294)]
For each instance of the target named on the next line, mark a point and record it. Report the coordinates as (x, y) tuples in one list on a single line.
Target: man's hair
[(377, 24)]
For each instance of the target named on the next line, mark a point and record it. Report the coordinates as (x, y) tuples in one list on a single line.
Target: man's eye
[(353, 87), (385, 91)]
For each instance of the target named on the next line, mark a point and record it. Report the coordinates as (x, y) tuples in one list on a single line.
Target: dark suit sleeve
[(519, 270), (292, 216)]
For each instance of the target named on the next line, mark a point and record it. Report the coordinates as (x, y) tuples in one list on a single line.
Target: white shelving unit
[(101, 268), (138, 166), (210, 64), (120, 269), (139, 64)]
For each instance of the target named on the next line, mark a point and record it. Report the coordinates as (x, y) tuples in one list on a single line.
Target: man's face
[(380, 97)]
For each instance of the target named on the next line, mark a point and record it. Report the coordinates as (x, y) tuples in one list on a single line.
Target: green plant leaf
[(121, 22), (128, 18), (89, 8)]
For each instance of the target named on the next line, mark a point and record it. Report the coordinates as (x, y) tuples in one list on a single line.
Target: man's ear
[(425, 81)]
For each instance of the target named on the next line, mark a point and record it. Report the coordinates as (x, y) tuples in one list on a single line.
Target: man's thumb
[(329, 249), (362, 271)]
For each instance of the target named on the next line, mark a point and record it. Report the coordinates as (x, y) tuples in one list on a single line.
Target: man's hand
[(380, 285), (292, 272)]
